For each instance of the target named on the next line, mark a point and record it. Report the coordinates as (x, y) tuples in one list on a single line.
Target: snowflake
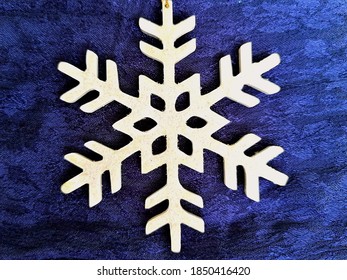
[(170, 123)]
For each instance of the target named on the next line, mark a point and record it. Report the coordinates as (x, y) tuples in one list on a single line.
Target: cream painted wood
[(171, 123)]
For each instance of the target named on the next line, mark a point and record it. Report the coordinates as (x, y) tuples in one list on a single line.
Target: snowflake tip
[(232, 86)]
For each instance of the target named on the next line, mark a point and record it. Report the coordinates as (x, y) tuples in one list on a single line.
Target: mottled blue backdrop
[(304, 220)]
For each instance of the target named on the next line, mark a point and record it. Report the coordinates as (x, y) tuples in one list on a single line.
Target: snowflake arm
[(92, 171), (250, 74), (168, 33), (174, 215), (108, 90), (231, 87), (254, 166)]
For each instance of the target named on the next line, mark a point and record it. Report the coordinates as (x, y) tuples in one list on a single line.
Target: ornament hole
[(159, 145), (182, 102), (185, 145), (158, 103), (196, 122), (145, 124)]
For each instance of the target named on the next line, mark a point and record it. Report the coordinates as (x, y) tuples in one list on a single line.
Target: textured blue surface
[(305, 220)]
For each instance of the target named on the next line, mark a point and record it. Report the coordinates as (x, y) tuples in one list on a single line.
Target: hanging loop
[(167, 4)]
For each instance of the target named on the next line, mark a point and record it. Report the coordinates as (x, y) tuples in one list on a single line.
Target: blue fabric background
[(304, 220)]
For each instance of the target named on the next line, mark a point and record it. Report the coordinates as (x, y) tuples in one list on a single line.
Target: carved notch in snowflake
[(172, 123)]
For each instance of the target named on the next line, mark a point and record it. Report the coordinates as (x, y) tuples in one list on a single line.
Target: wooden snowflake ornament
[(172, 123)]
